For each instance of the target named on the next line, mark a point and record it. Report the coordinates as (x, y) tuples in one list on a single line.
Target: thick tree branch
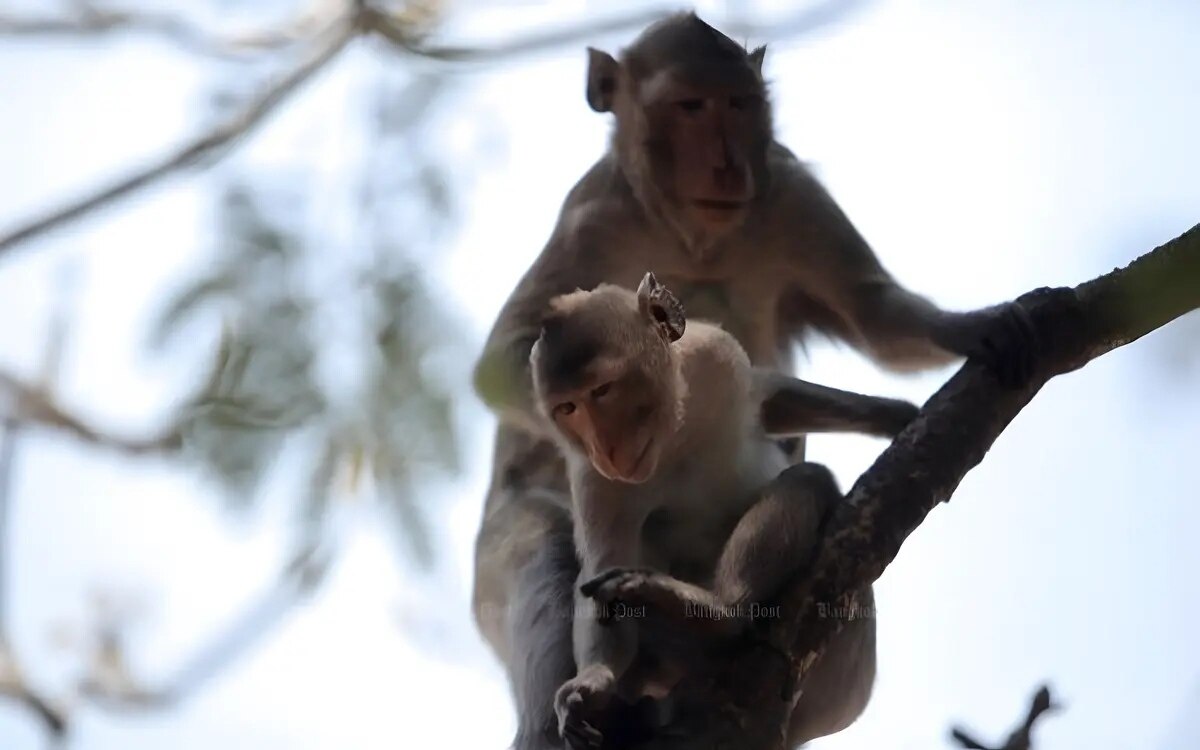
[(327, 47), (745, 701)]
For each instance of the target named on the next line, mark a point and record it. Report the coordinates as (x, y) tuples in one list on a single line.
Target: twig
[(90, 21), (32, 406), (116, 691), (1019, 739), (803, 22), (330, 43), (12, 679), (401, 36), (53, 718)]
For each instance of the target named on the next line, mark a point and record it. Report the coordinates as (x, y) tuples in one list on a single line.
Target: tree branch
[(407, 32), (402, 35), (327, 47), (1020, 738), (746, 700), (15, 688), (90, 21), (31, 405)]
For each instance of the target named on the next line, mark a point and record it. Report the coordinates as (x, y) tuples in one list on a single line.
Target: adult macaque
[(695, 187), (668, 434)]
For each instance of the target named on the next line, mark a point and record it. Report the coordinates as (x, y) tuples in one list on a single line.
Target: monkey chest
[(702, 504), (685, 535)]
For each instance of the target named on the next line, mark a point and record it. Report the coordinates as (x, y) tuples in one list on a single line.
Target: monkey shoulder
[(793, 182), (712, 358), (601, 204)]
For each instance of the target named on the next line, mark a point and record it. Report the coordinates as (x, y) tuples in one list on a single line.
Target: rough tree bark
[(743, 700)]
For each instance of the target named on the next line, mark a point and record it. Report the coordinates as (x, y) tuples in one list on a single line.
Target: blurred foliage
[(344, 372), (262, 382)]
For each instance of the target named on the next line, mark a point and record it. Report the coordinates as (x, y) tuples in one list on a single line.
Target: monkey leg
[(777, 536), (837, 689)]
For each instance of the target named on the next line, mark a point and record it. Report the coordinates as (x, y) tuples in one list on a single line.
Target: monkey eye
[(564, 409), (690, 105), (600, 391), (748, 101)]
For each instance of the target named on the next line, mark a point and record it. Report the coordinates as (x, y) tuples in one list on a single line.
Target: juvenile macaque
[(668, 433), (695, 187)]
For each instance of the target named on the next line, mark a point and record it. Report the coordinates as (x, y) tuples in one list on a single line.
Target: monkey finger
[(589, 587), (627, 587), (592, 587), (902, 415), (576, 731), (580, 735)]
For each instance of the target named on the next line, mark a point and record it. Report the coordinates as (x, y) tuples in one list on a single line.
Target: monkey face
[(708, 143), (621, 423), (693, 122), (605, 374)]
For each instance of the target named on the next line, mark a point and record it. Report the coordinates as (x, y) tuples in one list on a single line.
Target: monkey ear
[(756, 59), (661, 308), (601, 80)]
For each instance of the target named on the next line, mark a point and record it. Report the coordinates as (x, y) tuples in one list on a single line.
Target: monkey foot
[(579, 700), (630, 593)]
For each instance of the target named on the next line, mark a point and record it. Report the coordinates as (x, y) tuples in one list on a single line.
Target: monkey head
[(606, 376), (693, 124)]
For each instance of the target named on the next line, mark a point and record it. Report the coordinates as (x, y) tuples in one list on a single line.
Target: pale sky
[(984, 150)]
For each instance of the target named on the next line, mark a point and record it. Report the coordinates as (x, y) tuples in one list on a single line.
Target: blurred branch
[(407, 29), (400, 34), (89, 20), (112, 686), (14, 686), (806, 21), (332, 41), (13, 682), (29, 404), (745, 701), (1020, 737)]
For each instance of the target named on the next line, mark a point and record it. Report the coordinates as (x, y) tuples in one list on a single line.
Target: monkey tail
[(542, 622)]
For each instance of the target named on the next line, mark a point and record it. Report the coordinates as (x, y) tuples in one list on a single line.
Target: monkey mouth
[(635, 473)]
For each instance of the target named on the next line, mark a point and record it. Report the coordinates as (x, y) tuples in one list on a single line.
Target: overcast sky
[(982, 149)]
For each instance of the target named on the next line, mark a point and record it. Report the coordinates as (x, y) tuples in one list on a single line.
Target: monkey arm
[(834, 267), (790, 406), (608, 529), (502, 376)]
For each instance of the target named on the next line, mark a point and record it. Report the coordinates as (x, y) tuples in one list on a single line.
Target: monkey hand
[(632, 593), (1001, 336), (898, 415), (578, 701)]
